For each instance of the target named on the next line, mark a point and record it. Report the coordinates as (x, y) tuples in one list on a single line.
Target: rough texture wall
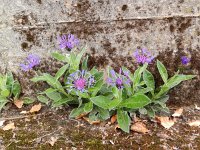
[(111, 29)]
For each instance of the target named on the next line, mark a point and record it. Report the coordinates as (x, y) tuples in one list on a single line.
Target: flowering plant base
[(123, 93)]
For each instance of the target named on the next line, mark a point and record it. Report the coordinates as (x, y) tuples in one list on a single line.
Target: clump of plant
[(122, 93), (10, 89), (78, 83)]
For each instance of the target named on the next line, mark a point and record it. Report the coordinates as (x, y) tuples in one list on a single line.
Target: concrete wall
[(111, 29)]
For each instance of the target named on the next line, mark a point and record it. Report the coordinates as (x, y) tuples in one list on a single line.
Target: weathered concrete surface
[(111, 29)]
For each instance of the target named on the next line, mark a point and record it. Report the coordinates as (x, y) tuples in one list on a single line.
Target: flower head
[(185, 60), (67, 41), (31, 61), (144, 56), (80, 81), (118, 79)]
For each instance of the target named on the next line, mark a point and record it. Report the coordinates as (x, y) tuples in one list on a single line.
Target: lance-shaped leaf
[(162, 70), (135, 102), (123, 120)]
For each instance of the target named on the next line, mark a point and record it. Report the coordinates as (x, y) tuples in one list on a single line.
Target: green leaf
[(114, 103), (149, 79), (61, 71), (2, 104), (105, 102), (49, 90), (43, 99), (150, 112), (137, 74), (143, 111), (103, 114), (101, 101), (10, 80), (163, 91), (76, 112), (88, 107), (3, 99), (93, 71), (59, 56), (79, 56), (28, 100), (144, 90), (49, 79), (178, 79), (84, 63), (162, 70), (55, 96), (135, 102), (123, 120), (163, 99), (97, 87), (5, 93), (16, 89), (115, 92), (61, 102)]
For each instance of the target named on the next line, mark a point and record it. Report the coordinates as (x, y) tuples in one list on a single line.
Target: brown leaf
[(91, 122), (24, 112), (166, 122), (36, 108), (194, 123), (18, 103), (178, 112), (2, 122), (139, 127), (53, 140), (196, 107), (113, 119), (9, 126), (81, 115), (117, 127)]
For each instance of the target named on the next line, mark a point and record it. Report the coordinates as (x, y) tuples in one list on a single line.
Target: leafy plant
[(77, 86), (9, 89), (124, 93), (139, 94)]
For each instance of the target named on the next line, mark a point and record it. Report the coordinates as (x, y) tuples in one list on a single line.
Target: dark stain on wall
[(172, 28), (24, 46), (39, 1), (124, 7)]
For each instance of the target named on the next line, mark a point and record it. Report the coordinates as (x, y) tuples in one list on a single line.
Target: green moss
[(94, 144)]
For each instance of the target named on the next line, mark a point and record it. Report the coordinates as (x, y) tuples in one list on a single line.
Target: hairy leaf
[(123, 120), (162, 70)]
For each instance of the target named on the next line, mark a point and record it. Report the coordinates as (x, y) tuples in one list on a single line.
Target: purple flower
[(31, 61), (80, 81), (67, 41), (118, 79), (185, 60), (143, 56)]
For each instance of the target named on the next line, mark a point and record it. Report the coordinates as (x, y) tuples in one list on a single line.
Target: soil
[(36, 131)]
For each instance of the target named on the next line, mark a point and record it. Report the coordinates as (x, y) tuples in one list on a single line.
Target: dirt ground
[(53, 130)]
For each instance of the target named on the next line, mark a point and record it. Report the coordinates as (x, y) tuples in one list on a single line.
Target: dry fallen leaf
[(36, 108), (166, 122), (117, 127), (18, 103), (9, 126), (53, 140), (195, 123), (1, 122), (81, 115), (196, 107), (24, 112), (139, 127), (113, 119), (91, 122), (178, 112)]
